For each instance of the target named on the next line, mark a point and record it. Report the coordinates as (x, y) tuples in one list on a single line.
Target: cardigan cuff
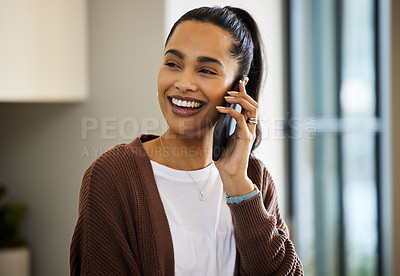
[(249, 212)]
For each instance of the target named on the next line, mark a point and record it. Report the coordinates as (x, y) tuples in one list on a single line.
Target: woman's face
[(196, 73)]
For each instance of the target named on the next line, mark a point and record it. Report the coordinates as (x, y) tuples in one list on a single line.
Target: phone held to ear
[(225, 127)]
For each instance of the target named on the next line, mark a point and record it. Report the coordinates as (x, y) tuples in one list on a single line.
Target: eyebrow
[(199, 59), (175, 52)]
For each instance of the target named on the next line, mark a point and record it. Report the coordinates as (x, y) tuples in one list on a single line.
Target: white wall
[(43, 51), (42, 152), (269, 16)]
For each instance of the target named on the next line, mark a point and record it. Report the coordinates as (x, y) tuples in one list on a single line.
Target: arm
[(261, 235), (99, 244)]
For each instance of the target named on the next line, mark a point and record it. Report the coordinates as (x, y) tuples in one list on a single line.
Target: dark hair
[(247, 46)]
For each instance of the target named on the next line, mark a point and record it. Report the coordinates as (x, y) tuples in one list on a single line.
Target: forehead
[(198, 38)]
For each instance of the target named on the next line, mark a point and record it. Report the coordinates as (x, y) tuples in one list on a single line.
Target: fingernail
[(233, 92), (220, 107), (229, 97)]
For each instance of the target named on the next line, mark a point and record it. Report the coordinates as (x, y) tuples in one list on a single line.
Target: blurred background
[(78, 77)]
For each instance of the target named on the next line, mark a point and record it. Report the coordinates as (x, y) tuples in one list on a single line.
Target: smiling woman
[(196, 68), (161, 205)]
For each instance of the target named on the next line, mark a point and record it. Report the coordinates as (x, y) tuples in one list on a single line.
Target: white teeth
[(192, 104)]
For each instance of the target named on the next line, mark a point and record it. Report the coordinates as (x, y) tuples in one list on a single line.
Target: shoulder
[(115, 157), (104, 172), (116, 163), (122, 155)]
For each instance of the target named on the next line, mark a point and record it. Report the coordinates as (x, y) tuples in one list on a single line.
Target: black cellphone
[(225, 127)]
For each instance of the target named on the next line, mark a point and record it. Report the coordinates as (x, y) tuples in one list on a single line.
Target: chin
[(186, 129)]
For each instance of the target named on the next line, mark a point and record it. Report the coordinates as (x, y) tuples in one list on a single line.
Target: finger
[(250, 107), (241, 87), (239, 117), (243, 94), (247, 106), (246, 80)]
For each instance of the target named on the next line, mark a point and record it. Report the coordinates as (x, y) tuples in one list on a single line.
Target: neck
[(188, 153)]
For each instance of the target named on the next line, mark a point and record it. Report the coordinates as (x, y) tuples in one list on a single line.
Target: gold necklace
[(202, 197)]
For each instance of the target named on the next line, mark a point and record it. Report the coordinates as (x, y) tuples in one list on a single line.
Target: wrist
[(240, 199), (238, 187)]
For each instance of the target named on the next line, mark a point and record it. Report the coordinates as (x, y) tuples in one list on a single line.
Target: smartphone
[(225, 127)]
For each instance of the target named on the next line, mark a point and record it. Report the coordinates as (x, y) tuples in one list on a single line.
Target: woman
[(160, 205)]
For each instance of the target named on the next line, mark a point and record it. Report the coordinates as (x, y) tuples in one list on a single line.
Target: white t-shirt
[(202, 231)]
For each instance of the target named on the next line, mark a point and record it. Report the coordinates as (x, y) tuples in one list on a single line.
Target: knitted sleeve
[(99, 244), (262, 238)]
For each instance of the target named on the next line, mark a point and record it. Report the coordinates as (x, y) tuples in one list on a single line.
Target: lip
[(185, 112)]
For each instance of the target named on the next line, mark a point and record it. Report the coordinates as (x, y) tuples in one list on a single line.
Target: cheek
[(162, 86), (216, 93), (161, 81), (218, 98)]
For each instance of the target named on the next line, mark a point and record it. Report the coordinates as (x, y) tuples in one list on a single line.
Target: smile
[(191, 104), (184, 106), (185, 102)]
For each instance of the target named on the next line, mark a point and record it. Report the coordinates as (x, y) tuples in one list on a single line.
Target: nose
[(186, 83)]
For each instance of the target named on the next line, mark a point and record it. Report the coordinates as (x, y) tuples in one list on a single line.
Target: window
[(335, 174)]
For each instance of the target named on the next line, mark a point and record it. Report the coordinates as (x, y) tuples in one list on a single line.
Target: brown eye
[(172, 64), (208, 72)]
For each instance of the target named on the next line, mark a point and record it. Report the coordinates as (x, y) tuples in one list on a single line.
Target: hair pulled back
[(247, 46)]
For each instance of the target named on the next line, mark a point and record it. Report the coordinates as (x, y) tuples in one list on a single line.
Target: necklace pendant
[(202, 197)]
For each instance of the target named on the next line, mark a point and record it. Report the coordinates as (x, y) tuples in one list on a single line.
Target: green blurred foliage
[(10, 215)]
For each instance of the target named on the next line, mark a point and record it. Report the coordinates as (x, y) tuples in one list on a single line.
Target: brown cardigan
[(122, 228)]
